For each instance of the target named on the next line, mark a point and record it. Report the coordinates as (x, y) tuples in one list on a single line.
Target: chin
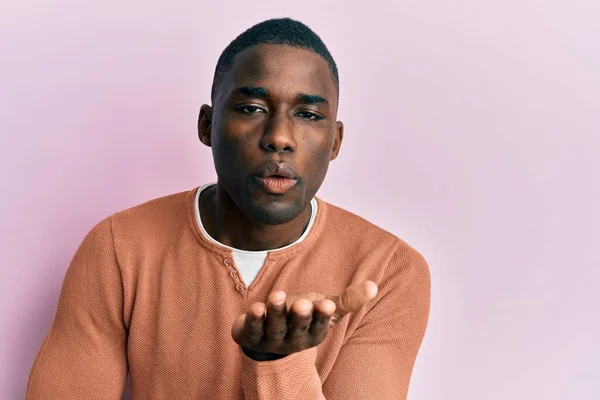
[(273, 213)]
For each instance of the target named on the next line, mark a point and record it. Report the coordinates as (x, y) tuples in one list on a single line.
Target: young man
[(250, 288)]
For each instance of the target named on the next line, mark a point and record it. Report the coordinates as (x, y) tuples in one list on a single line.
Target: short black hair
[(284, 31)]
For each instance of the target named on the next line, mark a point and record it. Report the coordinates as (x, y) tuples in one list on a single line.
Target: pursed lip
[(276, 178), (277, 170)]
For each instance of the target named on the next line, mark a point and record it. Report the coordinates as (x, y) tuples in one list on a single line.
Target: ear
[(205, 124), (337, 140)]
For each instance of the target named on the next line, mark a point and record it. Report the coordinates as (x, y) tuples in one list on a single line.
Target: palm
[(287, 324)]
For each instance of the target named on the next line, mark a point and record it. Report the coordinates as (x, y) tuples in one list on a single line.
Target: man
[(250, 288)]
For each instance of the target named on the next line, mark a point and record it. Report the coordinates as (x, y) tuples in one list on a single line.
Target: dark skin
[(277, 104)]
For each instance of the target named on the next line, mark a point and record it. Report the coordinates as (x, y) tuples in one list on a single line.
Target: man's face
[(273, 130)]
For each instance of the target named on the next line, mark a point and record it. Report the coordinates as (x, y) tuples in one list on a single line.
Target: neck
[(224, 221)]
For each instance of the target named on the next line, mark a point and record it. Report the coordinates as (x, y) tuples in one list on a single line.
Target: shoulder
[(345, 221), (347, 228), (149, 225), (359, 235), (154, 214), (163, 212)]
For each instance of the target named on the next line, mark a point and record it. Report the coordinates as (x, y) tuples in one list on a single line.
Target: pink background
[(472, 131)]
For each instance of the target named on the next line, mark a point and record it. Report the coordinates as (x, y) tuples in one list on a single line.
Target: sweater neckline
[(272, 255), (313, 214)]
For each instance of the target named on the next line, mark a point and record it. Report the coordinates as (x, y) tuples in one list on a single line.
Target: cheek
[(235, 136), (319, 154)]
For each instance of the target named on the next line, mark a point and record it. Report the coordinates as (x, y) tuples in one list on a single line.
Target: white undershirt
[(250, 262)]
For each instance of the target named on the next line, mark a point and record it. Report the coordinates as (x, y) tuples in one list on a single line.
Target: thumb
[(354, 297)]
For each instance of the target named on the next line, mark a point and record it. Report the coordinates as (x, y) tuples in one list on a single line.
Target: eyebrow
[(253, 92), (311, 99), (257, 92)]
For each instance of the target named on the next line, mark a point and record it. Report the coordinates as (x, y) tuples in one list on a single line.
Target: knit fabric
[(147, 294)]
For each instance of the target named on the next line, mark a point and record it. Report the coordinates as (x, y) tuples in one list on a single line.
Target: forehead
[(282, 70)]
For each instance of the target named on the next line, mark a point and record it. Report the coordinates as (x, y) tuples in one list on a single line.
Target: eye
[(309, 115), (250, 110)]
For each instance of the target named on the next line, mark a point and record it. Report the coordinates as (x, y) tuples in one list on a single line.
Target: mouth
[(276, 178)]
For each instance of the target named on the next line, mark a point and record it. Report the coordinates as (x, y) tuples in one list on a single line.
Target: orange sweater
[(147, 293)]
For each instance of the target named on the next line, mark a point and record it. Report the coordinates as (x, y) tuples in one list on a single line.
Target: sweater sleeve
[(84, 353), (377, 360), (292, 377)]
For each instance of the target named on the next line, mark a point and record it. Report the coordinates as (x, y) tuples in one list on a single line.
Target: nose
[(279, 135)]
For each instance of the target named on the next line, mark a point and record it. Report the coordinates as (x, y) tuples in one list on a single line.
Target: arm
[(376, 361), (84, 353)]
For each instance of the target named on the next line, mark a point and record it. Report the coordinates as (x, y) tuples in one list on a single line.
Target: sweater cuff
[(262, 368)]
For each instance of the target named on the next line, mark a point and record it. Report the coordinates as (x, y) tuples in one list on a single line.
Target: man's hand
[(291, 323)]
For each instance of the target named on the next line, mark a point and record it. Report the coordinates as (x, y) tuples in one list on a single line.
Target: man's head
[(272, 125), (282, 31)]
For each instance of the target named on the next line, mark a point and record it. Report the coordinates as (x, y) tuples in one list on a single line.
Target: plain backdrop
[(472, 132)]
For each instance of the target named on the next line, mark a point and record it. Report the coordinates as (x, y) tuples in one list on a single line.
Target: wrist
[(260, 356)]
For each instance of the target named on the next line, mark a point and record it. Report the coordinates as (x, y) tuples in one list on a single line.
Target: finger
[(312, 296), (354, 297), (237, 329), (299, 320), (276, 322), (323, 310), (253, 327)]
